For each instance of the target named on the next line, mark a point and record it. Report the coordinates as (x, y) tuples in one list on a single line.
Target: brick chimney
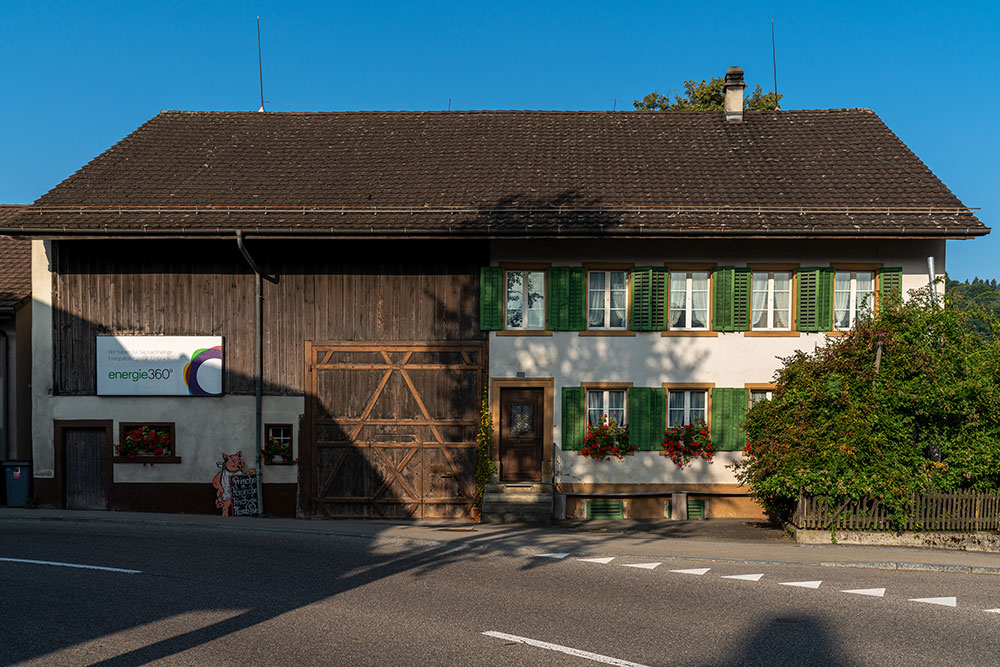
[(733, 91)]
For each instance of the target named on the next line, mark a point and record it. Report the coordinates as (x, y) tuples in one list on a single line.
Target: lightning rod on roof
[(774, 62), (260, 69)]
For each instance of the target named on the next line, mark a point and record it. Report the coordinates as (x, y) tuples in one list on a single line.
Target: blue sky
[(76, 77)]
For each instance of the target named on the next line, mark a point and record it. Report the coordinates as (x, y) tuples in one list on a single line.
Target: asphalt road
[(209, 595)]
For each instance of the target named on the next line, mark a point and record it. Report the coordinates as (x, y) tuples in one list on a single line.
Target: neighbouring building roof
[(15, 264), (837, 172)]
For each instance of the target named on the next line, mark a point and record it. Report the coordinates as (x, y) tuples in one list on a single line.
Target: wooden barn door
[(393, 428), (86, 475)]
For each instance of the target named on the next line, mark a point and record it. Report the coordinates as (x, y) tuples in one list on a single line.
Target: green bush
[(866, 414)]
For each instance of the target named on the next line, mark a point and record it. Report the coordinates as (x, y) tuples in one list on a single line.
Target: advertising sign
[(159, 365)]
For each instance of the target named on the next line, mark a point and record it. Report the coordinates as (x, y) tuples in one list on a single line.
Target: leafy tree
[(973, 296), (702, 96), (867, 414)]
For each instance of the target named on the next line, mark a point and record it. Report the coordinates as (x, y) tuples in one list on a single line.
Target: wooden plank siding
[(327, 291)]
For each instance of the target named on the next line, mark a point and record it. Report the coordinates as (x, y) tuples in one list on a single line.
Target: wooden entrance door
[(521, 435), (86, 472), (393, 429)]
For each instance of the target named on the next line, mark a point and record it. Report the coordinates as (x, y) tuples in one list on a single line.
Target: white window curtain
[(699, 300), (758, 307)]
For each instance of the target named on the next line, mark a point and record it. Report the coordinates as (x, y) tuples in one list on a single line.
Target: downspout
[(259, 351), (5, 397)]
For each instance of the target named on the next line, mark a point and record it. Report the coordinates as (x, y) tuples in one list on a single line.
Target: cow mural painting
[(235, 490)]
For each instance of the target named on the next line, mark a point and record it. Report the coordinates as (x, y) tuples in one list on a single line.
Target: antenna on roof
[(774, 62), (260, 69)]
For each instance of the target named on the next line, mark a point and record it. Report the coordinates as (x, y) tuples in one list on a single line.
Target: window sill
[(772, 334), (836, 333), (524, 332), (152, 460), (606, 458), (608, 332), (690, 333)]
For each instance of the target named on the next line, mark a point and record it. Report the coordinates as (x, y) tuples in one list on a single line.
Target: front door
[(86, 479), (521, 435)]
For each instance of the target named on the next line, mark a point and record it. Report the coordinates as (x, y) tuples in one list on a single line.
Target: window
[(758, 395), (278, 444), (607, 299), (146, 442), (610, 402), (771, 300), (686, 405), (852, 294), (525, 300), (689, 299)]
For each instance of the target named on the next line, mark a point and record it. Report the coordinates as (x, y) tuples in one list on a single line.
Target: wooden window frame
[(791, 332), (874, 267), (145, 458), (291, 440), (688, 267), (707, 387), (604, 387), (757, 386), (523, 266), (608, 267)]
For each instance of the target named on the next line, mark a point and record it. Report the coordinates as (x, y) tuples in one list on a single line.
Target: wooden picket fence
[(955, 511)]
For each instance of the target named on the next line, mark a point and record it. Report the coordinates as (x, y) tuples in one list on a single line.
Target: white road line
[(745, 577), (84, 567), (557, 556), (945, 602), (699, 571), (874, 592), (596, 657), (603, 561), (992, 611), (802, 584), (642, 566)]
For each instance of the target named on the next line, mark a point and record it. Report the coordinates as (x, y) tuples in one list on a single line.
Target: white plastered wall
[(649, 359)]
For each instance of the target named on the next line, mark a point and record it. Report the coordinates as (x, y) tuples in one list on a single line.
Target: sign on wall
[(159, 365)]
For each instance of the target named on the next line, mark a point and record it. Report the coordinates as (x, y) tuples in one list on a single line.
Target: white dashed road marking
[(557, 556), (945, 602), (993, 611), (602, 561), (699, 571), (643, 566), (873, 592), (745, 577), (77, 565), (596, 657), (802, 584)]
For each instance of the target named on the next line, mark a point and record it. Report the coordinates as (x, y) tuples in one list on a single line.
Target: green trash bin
[(17, 475)]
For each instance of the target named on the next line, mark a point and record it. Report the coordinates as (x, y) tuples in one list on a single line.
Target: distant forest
[(974, 294)]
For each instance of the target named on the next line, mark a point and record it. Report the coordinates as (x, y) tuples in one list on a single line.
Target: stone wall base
[(972, 541)]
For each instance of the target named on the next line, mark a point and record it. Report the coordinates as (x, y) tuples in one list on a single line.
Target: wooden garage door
[(393, 429)]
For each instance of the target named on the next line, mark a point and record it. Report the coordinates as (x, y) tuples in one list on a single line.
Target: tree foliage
[(973, 296), (866, 413), (706, 96)]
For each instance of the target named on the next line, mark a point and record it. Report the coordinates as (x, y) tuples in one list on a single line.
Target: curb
[(529, 551)]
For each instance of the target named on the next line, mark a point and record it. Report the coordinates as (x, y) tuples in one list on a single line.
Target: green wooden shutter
[(565, 297), (722, 298), (648, 292), (729, 408), (574, 417), (814, 310), (890, 284), (646, 416), (741, 299), (491, 298), (825, 299)]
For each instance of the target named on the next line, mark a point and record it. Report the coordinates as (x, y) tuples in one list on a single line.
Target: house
[(349, 283), (15, 339)]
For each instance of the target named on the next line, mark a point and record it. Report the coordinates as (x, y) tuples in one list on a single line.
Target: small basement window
[(605, 509)]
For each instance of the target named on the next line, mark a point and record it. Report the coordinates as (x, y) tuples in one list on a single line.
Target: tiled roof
[(793, 173), (15, 264)]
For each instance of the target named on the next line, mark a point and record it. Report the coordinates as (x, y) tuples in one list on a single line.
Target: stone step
[(520, 498)]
